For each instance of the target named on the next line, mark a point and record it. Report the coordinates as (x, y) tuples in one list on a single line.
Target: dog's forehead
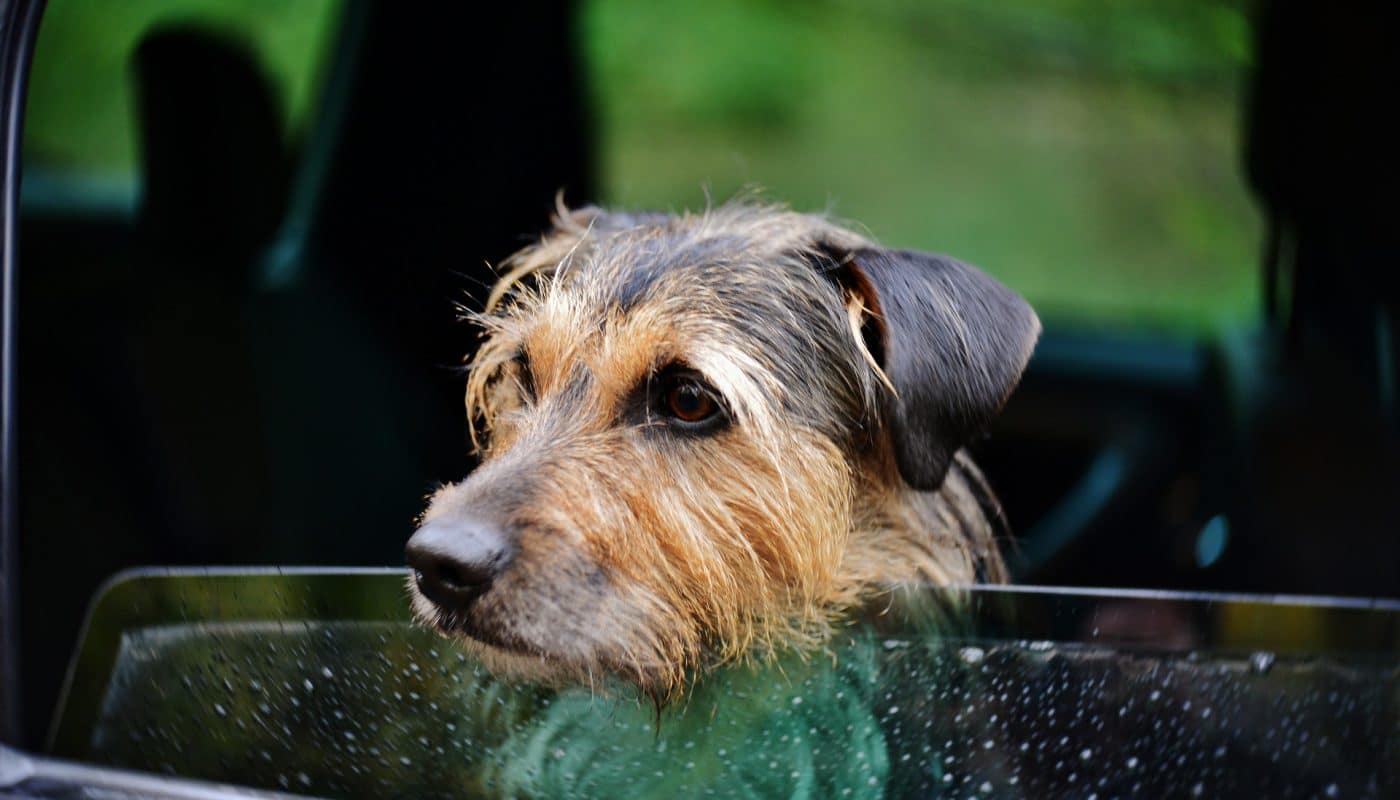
[(755, 277), (661, 263)]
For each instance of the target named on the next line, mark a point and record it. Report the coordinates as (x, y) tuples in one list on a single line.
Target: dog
[(707, 438)]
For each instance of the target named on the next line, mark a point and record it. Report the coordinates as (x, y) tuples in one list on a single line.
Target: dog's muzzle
[(455, 561)]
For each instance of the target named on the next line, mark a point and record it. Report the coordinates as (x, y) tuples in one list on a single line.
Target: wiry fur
[(648, 554)]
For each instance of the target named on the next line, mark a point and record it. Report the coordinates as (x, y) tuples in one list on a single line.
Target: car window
[(81, 119), (317, 683), (1088, 155)]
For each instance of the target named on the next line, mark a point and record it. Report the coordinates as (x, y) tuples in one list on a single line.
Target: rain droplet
[(985, 788), (1262, 661), (326, 671), (797, 701), (971, 655), (406, 761), (1086, 754), (220, 710), (1132, 762)]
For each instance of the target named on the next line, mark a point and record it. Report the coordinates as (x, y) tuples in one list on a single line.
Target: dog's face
[(687, 421)]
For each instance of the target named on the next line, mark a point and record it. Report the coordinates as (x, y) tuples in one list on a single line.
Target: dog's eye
[(687, 400)]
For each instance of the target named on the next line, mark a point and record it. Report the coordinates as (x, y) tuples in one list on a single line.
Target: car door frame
[(19, 22)]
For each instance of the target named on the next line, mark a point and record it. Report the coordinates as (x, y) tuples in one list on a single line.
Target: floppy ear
[(953, 342)]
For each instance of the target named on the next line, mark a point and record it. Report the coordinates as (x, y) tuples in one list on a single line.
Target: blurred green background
[(81, 116), (1085, 152)]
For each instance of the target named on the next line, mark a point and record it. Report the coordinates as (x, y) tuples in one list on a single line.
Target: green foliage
[(80, 114), (1085, 152)]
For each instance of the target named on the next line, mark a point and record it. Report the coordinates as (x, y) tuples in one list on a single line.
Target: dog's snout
[(455, 562)]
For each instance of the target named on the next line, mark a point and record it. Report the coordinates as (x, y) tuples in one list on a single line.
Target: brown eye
[(687, 401), (681, 398)]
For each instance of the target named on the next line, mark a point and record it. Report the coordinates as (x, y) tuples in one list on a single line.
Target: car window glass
[(81, 119), (316, 684), (1086, 154)]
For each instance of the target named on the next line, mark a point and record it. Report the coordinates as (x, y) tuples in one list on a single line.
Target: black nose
[(455, 561)]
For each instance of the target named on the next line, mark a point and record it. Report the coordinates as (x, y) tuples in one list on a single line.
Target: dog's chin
[(508, 657)]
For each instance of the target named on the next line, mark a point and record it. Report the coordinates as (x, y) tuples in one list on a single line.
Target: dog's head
[(693, 430)]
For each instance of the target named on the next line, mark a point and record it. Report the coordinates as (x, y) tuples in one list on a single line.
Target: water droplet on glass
[(1261, 661)]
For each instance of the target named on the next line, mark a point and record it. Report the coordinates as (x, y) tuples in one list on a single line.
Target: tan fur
[(649, 558)]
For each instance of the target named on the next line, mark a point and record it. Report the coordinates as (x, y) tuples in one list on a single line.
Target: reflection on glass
[(316, 684)]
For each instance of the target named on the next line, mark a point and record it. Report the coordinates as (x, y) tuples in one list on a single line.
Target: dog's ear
[(952, 342)]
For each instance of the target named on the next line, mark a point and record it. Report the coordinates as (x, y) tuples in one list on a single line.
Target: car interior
[(248, 350)]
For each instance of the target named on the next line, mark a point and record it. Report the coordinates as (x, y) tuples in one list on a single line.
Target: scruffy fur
[(650, 554)]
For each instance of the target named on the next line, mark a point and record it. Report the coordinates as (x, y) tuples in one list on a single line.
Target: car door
[(18, 22)]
